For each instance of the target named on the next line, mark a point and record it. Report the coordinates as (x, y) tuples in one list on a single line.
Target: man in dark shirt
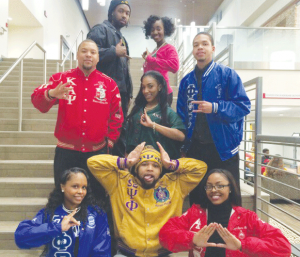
[(113, 48), (114, 56), (265, 158)]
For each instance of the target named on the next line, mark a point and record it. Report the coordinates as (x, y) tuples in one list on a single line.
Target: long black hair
[(56, 197), (140, 100), (169, 27), (235, 195)]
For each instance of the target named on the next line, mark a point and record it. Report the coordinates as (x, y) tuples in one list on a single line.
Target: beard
[(117, 23), (147, 185), (87, 67)]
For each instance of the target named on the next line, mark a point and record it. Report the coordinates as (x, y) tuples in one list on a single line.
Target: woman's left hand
[(231, 242), (146, 121), (145, 54)]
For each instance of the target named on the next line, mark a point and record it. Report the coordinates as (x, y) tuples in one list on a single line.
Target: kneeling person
[(142, 203)]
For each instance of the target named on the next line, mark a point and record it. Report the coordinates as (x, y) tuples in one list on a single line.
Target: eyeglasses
[(217, 187)]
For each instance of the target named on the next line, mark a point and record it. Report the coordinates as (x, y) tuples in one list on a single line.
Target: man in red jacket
[(89, 115)]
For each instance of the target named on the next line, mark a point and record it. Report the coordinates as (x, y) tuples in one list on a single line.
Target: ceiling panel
[(187, 11)]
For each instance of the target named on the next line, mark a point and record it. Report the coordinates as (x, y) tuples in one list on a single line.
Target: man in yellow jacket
[(144, 202)]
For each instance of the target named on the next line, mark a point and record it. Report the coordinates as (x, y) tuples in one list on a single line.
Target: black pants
[(65, 159), (119, 147), (209, 154)]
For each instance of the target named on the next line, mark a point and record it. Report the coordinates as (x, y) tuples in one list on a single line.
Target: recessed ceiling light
[(275, 109), (85, 5), (280, 114), (101, 2)]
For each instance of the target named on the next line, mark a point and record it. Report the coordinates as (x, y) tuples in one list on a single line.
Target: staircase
[(26, 158)]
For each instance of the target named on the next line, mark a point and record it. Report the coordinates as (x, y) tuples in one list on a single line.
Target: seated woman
[(220, 227), (164, 57), (152, 120), (277, 163), (70, 224)]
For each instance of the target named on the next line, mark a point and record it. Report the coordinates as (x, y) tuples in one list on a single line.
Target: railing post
[(213, 33), (20, 98), (230, 57), (71, 60), (258, 130), (45, 67)]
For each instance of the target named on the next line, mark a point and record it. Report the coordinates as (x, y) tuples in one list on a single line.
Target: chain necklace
[(156, 49), (70, 211), (150, 108)]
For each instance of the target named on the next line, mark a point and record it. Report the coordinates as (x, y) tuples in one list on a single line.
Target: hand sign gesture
[(134, 156), (165, 159), (146, 121), (231, 242), (203, 106), (61, 91), (201, 237), (121, 50), (145, 54), (69, 221)]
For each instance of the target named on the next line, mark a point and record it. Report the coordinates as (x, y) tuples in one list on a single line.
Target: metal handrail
[(69, 52), (11, 68), (228, 50), (241, 27)]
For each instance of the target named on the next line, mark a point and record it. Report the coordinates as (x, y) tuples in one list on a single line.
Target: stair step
[(27, 138), (13, 102), (20, 253), (20, 208), (27, 152), (26, 187), (28, 113), (28, 124), (15, 89), (7, 229), (26, 168), (14, 94)]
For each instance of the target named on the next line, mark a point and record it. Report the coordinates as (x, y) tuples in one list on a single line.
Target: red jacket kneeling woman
[(220, 227)]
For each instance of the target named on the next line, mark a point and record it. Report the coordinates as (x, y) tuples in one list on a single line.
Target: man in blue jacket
[(212, 103)]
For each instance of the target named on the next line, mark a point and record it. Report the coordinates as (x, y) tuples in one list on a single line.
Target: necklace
[(156, 49), (150, 108), (70, 211)]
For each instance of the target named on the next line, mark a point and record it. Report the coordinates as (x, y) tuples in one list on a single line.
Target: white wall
[(137, 41), (267, 14), (64, 18), (281, 127), (3, 20), (25, 35), (277, 82), (248, 12), (36, 8)]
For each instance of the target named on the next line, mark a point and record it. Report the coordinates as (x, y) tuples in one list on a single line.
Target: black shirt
[(201, 132), (221, 215)]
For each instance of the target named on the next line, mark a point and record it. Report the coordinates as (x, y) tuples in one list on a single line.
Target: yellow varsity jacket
[(138, 213)]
